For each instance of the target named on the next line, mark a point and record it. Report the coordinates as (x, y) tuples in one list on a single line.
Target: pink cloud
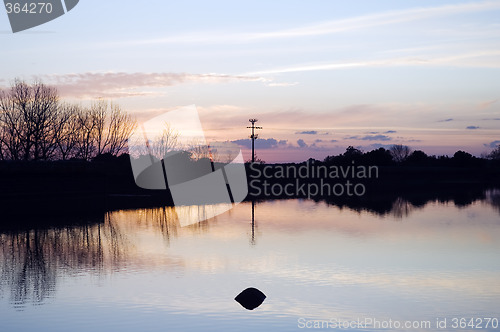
[(122, 85)]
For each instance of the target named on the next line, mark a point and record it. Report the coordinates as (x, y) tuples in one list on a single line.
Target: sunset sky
[(319, 75)]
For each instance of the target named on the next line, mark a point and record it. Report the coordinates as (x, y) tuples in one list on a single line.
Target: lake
[(319, 265)]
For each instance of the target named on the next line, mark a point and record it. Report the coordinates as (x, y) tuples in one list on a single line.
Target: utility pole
[(253, 137)]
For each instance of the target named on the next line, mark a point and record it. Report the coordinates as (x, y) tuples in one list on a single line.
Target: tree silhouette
[(495, 154), (400, 152), (35, 125)]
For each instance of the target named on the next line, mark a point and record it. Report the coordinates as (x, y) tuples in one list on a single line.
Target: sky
[(318, 75)]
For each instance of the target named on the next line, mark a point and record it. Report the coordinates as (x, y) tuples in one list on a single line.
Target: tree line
[(35, 125), (404, 155)]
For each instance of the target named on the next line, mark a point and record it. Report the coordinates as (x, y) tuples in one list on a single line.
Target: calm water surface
[(139, 270)]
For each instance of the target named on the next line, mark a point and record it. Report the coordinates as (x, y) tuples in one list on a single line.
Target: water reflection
[(493, 198), (252, 240), (33, 261), (401, 204)]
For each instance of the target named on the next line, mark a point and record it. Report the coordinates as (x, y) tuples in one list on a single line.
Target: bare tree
[(199, 150), (165, 142), (35, 126), (400, 152), (10, 123), (105, 128), (68, 130), (85, 146), (28, 113), (120, 128)]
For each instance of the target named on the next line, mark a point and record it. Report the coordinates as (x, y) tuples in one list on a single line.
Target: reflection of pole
[(253, 221), (253, 136)]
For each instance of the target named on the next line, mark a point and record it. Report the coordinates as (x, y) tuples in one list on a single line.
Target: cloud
[(301, 143), (376, 138), (386, 18), (121, 84), (283, 142), (472, 127), (446, 120), (318, 141), (370, 138), (385, 132), (492, 145), (282, 84), (307, 132), (486, 104), (333, 140), (455, 60), (323, 28), (268, 143)]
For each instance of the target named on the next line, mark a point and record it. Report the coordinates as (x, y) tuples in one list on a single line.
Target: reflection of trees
[(493, 198), (32, 260), (401, 208), (25, 266), (400, 203), (162, 220), (165, 220)]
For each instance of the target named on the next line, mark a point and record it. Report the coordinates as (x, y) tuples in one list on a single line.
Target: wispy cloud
[(308, 132), (470, 59), (369, 138), (486, 104), (282, 85), (379, 19), (121, 84), (472, 127), (326, 28)]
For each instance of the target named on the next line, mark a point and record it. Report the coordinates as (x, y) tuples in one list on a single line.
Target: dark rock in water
[(250, 298)]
